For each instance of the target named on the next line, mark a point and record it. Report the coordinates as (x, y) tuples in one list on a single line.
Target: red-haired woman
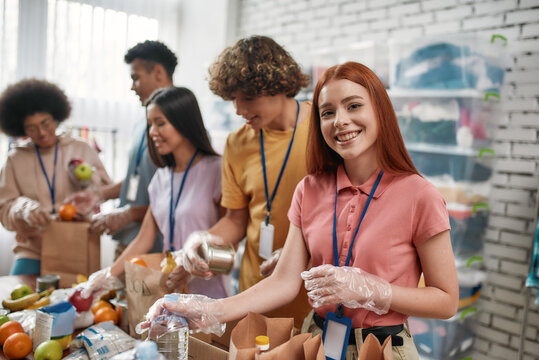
[(365, 218)]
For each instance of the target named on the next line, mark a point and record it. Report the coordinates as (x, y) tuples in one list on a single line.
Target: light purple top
[(198, 209)]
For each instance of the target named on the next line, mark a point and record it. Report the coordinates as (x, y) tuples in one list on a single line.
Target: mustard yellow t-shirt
[(243, 187)]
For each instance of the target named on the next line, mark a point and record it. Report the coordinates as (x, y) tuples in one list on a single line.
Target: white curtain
[(80, 45)]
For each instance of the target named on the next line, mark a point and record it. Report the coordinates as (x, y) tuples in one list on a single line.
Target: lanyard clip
[(267, 218), (340, 311)]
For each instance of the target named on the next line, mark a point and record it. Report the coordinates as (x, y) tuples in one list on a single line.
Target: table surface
[(7, 284)]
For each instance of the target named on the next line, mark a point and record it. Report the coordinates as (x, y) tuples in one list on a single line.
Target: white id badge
[(266, 240), (335, 336), (132, 187)]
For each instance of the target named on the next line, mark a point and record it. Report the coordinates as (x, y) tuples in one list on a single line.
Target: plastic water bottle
[(171, 333)]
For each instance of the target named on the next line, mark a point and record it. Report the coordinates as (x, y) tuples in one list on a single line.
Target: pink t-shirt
[(405, 211), (198, 209)]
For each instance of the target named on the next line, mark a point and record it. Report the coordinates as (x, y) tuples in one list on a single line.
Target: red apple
[(75, 162), (80, 303)]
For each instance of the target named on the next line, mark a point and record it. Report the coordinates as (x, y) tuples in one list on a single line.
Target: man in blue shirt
[(152, 65)]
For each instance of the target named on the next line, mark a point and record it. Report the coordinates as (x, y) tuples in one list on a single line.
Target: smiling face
[(258, 111), (41, 128), (164, 135), (348, 121)]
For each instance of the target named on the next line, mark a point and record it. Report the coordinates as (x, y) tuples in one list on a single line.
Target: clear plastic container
[(171, 333)]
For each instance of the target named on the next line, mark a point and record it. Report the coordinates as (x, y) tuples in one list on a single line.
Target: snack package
[(103, 341), (54, 322)]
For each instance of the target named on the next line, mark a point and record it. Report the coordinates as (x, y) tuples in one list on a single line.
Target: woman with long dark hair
[(184, 192)]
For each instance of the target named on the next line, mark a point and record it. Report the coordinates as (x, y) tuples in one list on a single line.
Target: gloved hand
[(201, 312), (192, 262), (101, 280), (85, 201), (29, 213), (178, 277), (349, 286), (267, 267), (111, 222)]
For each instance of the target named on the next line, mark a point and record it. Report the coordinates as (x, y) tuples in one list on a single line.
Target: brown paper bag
[(371, 349), (242, 337), (314, 349), (69, 248), (144, 285), (300, 347)]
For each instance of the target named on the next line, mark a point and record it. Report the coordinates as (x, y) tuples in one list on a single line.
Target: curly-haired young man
[(263, 160)]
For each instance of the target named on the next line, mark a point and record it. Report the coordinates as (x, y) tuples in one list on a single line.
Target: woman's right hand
[(101, 280), (201, 312), (30, 213)]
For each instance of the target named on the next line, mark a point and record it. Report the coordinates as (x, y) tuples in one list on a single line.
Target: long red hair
[(392, 154)]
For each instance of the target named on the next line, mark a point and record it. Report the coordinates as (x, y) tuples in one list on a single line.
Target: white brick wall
[(304, 26)]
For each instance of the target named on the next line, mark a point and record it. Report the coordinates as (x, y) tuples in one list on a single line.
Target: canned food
[(46, 281), (220, 259)]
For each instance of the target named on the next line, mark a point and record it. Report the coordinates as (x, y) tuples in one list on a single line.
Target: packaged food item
[(220, 259), (54, 322), (103, 341)]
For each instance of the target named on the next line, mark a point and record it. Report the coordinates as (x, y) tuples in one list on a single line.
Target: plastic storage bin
[(449, 62)]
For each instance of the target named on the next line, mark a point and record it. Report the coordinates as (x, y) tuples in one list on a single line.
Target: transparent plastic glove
[(111, 222), (85, 201), (192, 262), (178, 277), (29, 213), (201, 312), (352, 287), (267, 267), (101, 280)]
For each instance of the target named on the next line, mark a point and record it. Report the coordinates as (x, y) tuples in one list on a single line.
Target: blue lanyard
[(49, 184), (335, 245), (173, 206), (268, 200), (140, 151)]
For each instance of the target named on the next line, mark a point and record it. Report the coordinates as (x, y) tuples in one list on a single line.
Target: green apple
[(3, 319), (49, 350), (83, 171), (21, 291)]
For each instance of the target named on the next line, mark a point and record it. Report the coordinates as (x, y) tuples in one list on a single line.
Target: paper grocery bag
[(242, 337), (371, 349), (313, 348), (300, 347), (69, 248), (144, 285)]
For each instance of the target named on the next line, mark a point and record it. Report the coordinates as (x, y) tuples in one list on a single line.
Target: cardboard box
[(200, 350)]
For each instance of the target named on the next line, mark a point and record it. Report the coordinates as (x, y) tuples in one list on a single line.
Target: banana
[(21, 303), (40, 303), (169, 265), (81, 278)]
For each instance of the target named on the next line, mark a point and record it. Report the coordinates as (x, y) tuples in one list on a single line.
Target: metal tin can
[(220, 259), (46, 281)]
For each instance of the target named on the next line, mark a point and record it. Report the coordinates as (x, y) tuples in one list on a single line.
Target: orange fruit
[(67, 212), (9, 328), (106, 314), (99, 305), (17, 346), (138, 261)]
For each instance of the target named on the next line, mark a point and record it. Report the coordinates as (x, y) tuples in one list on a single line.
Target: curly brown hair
[(28, 97), (256, 66)]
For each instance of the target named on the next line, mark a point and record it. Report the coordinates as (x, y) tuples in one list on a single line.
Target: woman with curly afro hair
[(263, 160), (35, 178)]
